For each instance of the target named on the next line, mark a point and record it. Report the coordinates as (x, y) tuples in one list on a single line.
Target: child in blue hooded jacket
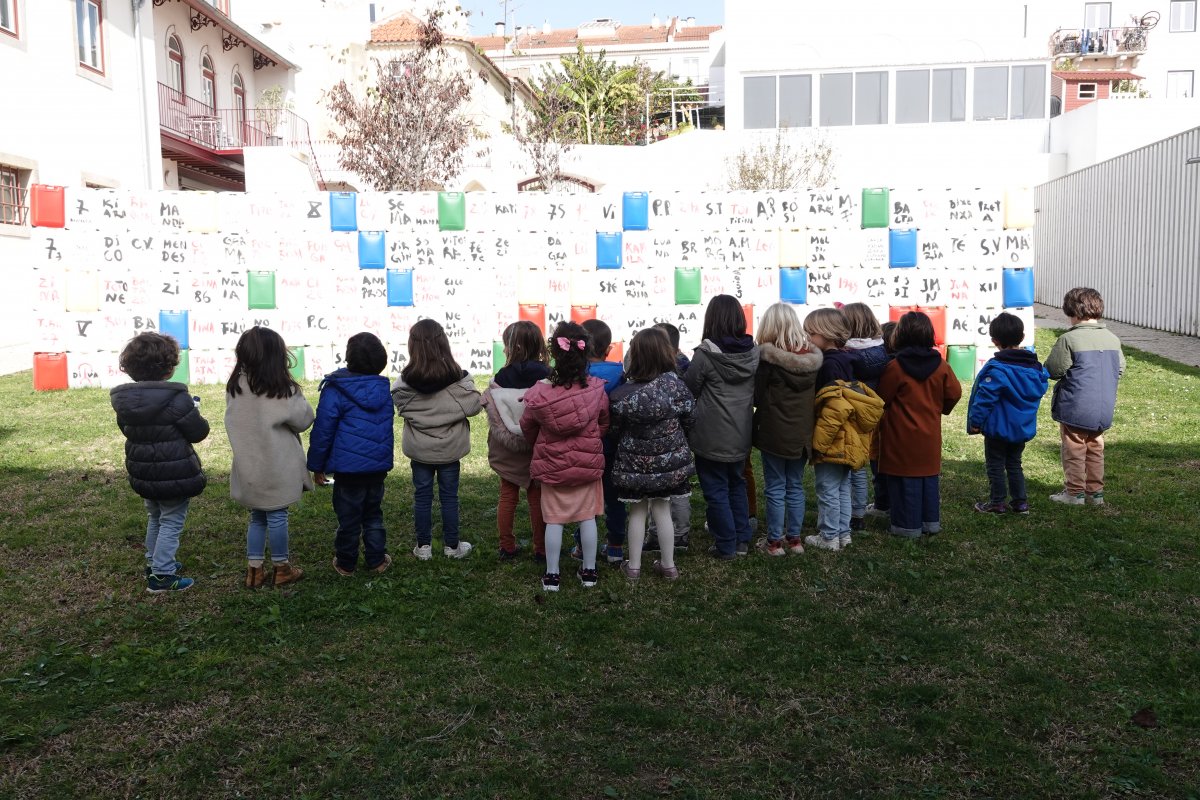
[(353, 439), (1003, 407)]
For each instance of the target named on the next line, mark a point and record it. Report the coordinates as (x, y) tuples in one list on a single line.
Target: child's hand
[(319, 478)]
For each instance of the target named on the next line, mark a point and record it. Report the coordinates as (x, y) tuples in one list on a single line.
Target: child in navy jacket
[(1003, 407), (352, 439)]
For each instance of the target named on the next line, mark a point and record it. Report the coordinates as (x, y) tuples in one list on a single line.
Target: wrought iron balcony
[(1099, 42), (228, 130)]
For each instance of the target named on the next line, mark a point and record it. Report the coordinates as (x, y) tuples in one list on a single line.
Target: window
[(691, 69), (1097, 15), (89, 34), (758, 102), (8, 18), (239, 105), (912, 96), (1183, 16), (1181, 83), (991, 93), (837, 99), (13, 205), (220, 5), (175, 65), (208, 80), (795, 101), (870, 98), (1087, 91), (949, 95), (1029, 92)]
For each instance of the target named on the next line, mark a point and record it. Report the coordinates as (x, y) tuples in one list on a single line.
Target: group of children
[(586, 437)]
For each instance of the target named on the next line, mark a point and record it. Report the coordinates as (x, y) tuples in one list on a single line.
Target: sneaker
[(1095, 499), (256, 577), (994, 508), (550, 582), (667, 573), (462, 550), (772, 547), (717, 554), (742, 548), (614, 554), (588, 577), (285, 573), (858, 523), (794, 544), (423, 552), (338, 568), (510, 555), (844, 540), (821, 543), (150, 568), (1069, 498), (156, 584), (381, 567), (630, 573), (1019, 507), (683, 542), (872, 511)]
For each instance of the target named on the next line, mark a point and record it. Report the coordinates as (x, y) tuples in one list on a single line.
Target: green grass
[(1004, 658)]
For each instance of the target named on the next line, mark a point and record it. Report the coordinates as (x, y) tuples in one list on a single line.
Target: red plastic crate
[(748, 311), (49, 371), (581, 314), (936, 314), (47, 206), (535, 314)]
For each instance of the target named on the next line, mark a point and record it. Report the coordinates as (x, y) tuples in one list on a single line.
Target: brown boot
[(255, 576), (285, 573)]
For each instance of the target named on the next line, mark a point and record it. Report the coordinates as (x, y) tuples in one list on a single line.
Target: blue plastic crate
[(902, 248), (608, 250), (372, 250), (399, 287), (793, 285), (175, 325), (343, 211), (1018, 287), (635, 211)]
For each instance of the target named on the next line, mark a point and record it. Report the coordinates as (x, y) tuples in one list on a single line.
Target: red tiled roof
[(698, 33), (402, 28), (1097, 75)]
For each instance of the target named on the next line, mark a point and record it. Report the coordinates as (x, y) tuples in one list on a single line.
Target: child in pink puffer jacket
[(565, 419)]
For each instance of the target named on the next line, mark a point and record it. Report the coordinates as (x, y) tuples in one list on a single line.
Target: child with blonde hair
[(784, 392)]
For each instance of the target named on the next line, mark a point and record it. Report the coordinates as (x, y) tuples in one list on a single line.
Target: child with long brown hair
[(265, 411), (565, 419), (435, 397), (508, 452)]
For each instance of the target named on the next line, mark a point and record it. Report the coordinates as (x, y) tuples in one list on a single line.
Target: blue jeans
[(783, 480), (916, 505), (614, 509), (728, 511), (447, 481), (1002, 460), (833, 499), (264, 524), (858, 492), (164, 523), (359, 511)]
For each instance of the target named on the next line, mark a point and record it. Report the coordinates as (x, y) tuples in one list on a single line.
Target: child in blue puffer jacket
[(1003, 407), (352, 439)]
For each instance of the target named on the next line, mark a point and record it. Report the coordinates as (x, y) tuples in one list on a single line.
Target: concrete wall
[(1106, 129)]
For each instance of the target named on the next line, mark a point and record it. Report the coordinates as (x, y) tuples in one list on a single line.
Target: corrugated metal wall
[(1130, 228)]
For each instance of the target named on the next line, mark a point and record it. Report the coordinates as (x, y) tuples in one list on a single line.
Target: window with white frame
[(89, 34), (1181, 83), (837, 99), (175, 65), (912, 96), (948, 95), (1028, 92), (758, 102), (1087, 91), (1097, 15), (220, 5), (870, 98), (208, 81), (8, 18), (1183, 16), (795, 101), (14, 206), (991, 93)]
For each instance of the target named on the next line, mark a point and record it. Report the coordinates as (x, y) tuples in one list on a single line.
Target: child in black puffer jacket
[(866, 340), (161, 422)]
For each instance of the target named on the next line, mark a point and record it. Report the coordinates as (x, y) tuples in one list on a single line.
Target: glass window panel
[(1028, 92), (758, 102), (1183, 16), (837, 95), (795, 101), (1180, 83), (912, 95), (871, 98), (991, 93), (949, 95), (1097, 15)]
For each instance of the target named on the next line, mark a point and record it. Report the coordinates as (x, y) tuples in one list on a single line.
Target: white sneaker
[(462, 551), (423, 551), (1095, 499), (872, 511), (844, 540), (1068, 498), (821, 543)]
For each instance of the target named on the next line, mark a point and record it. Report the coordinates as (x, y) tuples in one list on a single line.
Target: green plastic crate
[(687, 286), (961, 358), (452, 211), (297, 369), (497, 356), (876, 212), (183, 372), (260, 289)]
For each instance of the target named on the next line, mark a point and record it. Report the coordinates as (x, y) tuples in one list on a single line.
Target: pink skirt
[(563, 504)]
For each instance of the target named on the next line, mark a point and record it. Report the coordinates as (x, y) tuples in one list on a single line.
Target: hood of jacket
[(1019, 357), (567, 410), (867, 406), (433, 387), (611, 372), (735, 365), (368, 392), (521, 375), (145, 402), (919, 362), (863, 344), (792, 366), (509, 405)]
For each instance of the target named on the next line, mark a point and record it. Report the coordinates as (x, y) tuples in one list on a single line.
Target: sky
[(570, 13)]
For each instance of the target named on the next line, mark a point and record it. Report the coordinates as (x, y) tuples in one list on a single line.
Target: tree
[(409, 132), (780, 164), (596, 90), (543, 132)]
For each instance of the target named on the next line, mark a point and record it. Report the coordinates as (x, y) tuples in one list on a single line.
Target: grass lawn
[(1054, 655)]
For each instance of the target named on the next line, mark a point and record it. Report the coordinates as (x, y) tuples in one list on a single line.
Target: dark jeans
[(881, 487), (447, 480), (916, 505), (724, 487), (1002, 460), (358, 506), (614, 509)]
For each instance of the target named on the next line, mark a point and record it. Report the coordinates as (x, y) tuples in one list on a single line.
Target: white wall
[(277, 169), (1108, 128)]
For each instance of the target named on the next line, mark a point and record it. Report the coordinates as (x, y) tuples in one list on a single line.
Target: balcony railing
[(1099, 41), (223, 129)]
